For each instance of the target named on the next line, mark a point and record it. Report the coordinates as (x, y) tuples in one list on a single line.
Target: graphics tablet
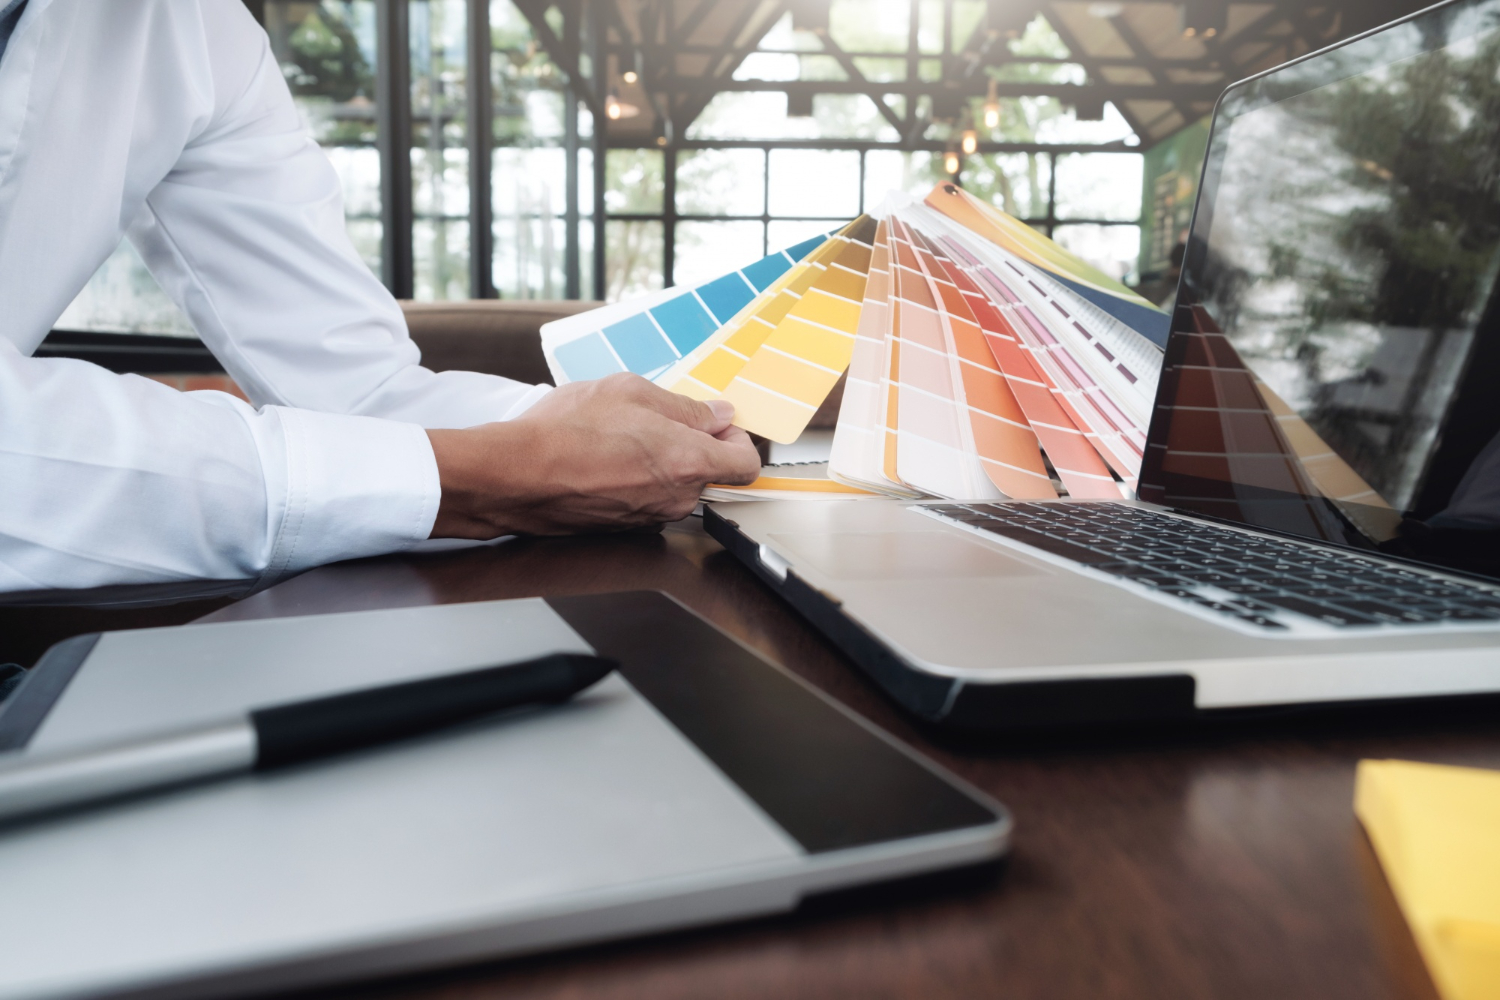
[(700, 784)]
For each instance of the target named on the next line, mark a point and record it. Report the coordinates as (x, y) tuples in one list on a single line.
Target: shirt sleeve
[(113, 479), (247, 234)]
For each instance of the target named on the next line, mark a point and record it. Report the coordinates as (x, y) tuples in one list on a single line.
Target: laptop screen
[(1333, 369)]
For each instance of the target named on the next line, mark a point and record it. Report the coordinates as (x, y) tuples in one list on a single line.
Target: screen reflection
[(1334, 369)]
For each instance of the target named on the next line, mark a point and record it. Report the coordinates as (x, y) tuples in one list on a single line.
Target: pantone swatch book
[(984, 361)]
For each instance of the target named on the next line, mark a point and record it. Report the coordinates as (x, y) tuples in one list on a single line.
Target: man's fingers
[(710, 418), (728, 456), (735, 462), (733, 433), (723, 411)]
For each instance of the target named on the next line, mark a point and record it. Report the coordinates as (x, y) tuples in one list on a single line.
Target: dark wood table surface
[(1193, 864)]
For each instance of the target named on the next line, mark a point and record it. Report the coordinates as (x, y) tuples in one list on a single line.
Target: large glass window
[(1020, 183), (122, 297), (327, 54), (1099, 186), (814, 183), (439, 155), (634, 264), (721, 182), (528, 180), (1115, 250), (708, 249), (754, 171)]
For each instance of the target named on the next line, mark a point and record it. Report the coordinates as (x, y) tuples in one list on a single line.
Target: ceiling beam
[(567, 60), (1149, 61), (1067, 92), (679, 34), (857, 75), (967, 64), (690, 105), (930, 145), (1092, 67)]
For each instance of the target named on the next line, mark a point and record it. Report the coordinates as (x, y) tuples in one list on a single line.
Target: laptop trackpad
[(891, 555)]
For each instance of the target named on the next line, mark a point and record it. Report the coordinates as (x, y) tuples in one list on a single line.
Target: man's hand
[(590, 456)]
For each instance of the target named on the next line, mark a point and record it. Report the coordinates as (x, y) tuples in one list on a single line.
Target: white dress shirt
[(169, 122)]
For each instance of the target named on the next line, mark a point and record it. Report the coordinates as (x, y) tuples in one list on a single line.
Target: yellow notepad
[(1436, 830)]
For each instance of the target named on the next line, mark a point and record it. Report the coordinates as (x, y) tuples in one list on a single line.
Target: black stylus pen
[(281, 735)]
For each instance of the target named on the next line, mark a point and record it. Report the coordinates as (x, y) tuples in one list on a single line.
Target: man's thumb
[(723, 411), (712, 417)]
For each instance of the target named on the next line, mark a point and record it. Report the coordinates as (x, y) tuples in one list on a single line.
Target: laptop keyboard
[(1254, 579)]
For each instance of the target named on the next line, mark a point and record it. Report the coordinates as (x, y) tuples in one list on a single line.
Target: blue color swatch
[(766, 270), (587, 358), (685, 322), (726, 296), (650, 341), (639, 344), (806, 247)]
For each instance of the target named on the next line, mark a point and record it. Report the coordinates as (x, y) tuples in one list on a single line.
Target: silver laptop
[(698, 784), (1341, 543)]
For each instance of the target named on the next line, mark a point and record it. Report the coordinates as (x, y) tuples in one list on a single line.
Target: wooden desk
[(1219, 865)]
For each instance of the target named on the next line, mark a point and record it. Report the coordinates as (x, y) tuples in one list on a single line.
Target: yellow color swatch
[(1436, 830), (781, 385), (804, 480), (803, 485), (707, 370)]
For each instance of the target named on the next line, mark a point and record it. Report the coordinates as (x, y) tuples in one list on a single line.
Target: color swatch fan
[(647, 336), (983, 360)]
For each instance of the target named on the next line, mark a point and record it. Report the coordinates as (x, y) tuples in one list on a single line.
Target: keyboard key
[(1321, 612), (1175, 568), (966, 516), (1439, 591), (1320, 579), (1047, 543), (1386, 612), (1213, 577), (1460, 614), (1486, 602), (1246, 587), (1266, 574), (1262, 621), (1154, 580), (947, 509), (1361, 587), (1220, 606), (1321, 594), (1399, 577), (1208, 562)]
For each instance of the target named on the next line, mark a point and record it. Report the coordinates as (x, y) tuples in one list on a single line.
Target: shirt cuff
[(352, 487), (528, 399)]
